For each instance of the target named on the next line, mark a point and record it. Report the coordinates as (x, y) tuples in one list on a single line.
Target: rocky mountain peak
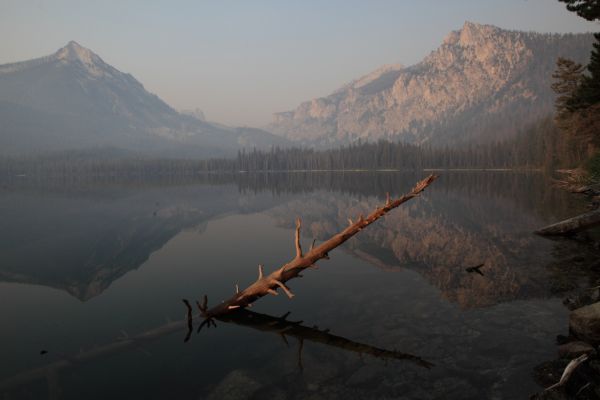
[(73, 52), (472, 33), (495, 52)]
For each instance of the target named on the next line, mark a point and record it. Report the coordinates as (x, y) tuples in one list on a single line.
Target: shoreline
[(580, 346)]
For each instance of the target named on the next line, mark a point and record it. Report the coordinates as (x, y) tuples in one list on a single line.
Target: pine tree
[(588, 9), (584, 104), (589, 93), (568, 79)]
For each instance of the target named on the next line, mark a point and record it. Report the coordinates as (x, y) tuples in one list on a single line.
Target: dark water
[(88, 266)]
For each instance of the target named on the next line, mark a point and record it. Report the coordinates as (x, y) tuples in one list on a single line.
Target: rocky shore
[(575, 373)]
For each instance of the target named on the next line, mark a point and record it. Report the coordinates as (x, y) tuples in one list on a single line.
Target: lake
[(94, 271)]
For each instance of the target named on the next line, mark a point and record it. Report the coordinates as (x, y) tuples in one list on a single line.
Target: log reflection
[(284, 328)]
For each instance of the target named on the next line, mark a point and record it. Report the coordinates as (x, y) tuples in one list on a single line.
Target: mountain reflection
[(459, 224), (81, 242), (82, 235)]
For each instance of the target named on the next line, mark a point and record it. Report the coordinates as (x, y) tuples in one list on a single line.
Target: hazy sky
[(240, 61)]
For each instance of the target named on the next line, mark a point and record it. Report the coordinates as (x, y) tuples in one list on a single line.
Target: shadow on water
[(279, 326), (283, 328)]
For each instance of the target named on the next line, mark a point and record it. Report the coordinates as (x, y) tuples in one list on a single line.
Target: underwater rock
[(237, 385), (574, 349), (584, 323)]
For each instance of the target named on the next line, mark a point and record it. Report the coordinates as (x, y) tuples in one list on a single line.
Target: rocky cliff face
[(482, 83)]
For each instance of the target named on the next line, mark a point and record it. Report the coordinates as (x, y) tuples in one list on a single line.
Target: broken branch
[(570, 368), (298, 247)]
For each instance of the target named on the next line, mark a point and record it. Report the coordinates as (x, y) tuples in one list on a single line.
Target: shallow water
[(91, 264)]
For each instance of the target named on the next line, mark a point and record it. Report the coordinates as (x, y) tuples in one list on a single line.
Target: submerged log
[(123, 343), (277, 280), (572, 225), (261, 322)]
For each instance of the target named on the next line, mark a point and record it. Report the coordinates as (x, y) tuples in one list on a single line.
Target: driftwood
[(277, 279), (572, 225), (570, 368)]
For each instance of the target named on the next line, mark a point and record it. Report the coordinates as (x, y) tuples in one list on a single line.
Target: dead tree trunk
[(277, 279), (572, 225)]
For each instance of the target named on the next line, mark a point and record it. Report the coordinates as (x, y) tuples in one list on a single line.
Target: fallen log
[(572, 225), (277, 279)]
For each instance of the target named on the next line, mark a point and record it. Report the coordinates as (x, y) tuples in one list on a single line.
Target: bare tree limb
[(298, 246), (269, 284), (570, 368), (261, 272)]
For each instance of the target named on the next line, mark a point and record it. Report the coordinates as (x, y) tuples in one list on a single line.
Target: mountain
[(72, 99), (483, 83)]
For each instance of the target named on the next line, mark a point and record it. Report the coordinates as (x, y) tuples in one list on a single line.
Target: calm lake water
[(88, 266)]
